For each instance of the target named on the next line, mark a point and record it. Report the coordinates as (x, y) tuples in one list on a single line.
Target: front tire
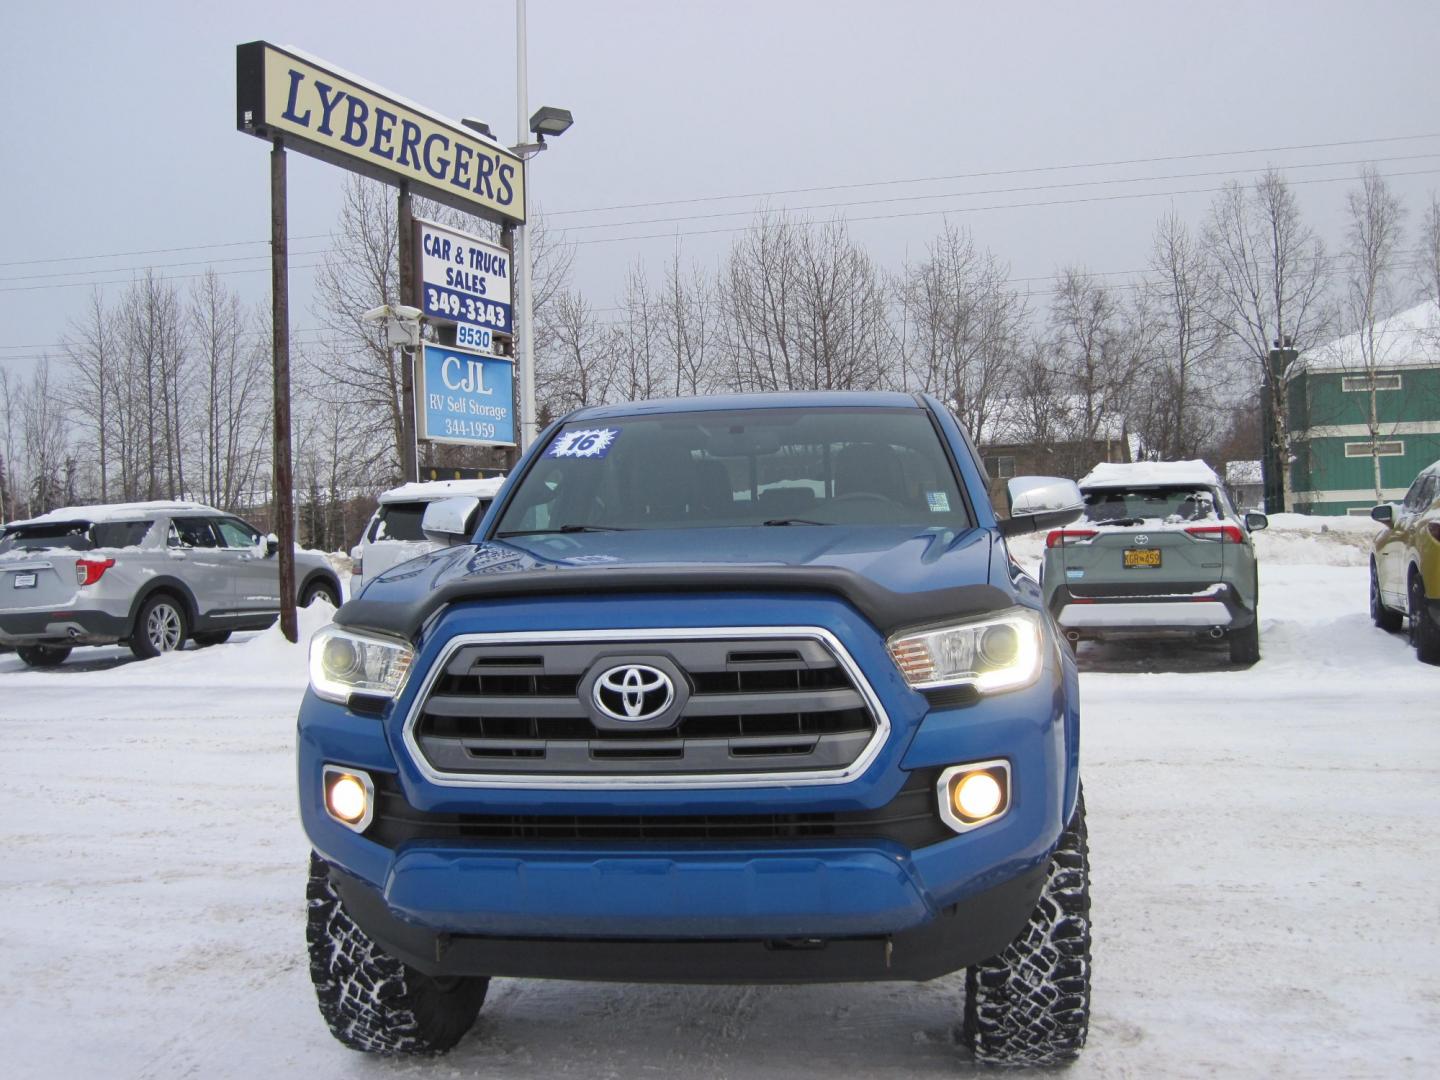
[(1424, 632), (371, 1001), (43, 656), (1380, 615), (1030, 1005), (206, 638), (161, 626)]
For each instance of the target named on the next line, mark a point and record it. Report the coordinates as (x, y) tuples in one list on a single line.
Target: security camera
[(375, 314), (402, 311)]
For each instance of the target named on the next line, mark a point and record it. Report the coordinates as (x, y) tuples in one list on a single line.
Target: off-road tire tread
[(371, 1001), (1029, 1007)]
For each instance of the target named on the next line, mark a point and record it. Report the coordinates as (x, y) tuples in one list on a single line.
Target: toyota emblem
[(1141, 538), (633, 692)]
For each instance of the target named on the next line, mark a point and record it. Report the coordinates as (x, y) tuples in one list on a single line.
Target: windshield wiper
[(562, 529), (795, 521)]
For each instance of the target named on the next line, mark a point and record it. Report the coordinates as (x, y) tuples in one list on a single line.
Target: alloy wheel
[(162, 628)]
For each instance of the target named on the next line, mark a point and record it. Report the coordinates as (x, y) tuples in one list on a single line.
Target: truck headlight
[(343, 662), (1001, 651)]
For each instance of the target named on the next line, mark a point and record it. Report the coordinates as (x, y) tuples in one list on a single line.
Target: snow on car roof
[(114, 512), (1149, 474), (430, 490)]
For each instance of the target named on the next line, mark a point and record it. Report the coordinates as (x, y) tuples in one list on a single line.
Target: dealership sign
[(463, 280), (466, 398), (336, 117)]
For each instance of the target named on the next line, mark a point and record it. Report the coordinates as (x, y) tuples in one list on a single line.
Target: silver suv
[(149, 574)]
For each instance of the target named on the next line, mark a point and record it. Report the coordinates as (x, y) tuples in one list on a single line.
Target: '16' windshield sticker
[(592, 443)]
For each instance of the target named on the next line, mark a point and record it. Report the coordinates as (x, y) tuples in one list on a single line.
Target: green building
[(1334, 446)]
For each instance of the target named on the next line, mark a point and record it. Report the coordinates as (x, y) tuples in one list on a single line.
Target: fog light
[(978, 795), (349, 797), (974, 794)]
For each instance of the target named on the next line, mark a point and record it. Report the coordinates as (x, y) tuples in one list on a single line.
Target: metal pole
[(280, 334), (512, 453), (524, 329), (410, 452)]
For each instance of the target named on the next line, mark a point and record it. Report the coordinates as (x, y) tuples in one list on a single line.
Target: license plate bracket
[(25, 581), (1142, 558)]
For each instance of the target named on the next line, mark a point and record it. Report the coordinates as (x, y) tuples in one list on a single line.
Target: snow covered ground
[(1264, 847)]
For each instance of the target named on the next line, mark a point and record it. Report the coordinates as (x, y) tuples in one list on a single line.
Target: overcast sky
[(120, 135)]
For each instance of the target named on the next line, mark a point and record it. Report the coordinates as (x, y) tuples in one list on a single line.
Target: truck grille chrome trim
[(767, 706)]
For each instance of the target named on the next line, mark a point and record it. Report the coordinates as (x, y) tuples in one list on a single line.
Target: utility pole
[(525, 316), (410, 451), (280, 335)]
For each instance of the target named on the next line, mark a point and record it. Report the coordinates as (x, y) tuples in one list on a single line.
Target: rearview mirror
[(1041, 502), (1384, 513), (450, 521), (1255, 522), (272, 544)]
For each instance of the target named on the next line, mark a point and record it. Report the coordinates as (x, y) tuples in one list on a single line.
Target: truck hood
[(894, 576), (898, 559)]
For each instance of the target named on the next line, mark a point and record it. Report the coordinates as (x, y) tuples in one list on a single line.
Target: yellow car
[(1405, 565)]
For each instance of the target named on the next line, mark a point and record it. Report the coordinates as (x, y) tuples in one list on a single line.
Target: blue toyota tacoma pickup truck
[(727, 689)]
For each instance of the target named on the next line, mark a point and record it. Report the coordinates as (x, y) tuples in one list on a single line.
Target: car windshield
[(74, 535), (786, 466), (1120, 506)]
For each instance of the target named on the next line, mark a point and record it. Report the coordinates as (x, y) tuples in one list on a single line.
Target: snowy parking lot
[(1263, 841)]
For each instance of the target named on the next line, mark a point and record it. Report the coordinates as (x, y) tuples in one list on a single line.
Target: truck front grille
[(793, 704)]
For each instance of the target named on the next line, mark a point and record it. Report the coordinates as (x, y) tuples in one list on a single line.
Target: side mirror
[(450, 521), (1384, 513), (1255, 522), (272, 544), (1041, 502)]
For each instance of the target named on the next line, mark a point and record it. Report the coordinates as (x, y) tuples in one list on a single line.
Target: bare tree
[(1270, 271), (688, 312), (1188, 344), (1373, 245), (579, 366), (44, 443), (966, 327), (635, 339), (155, 382), (231, 384), (93, 348), (1429, 255), (806, 310)]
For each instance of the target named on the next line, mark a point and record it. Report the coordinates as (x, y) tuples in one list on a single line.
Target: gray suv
[(1160, 550), (149, 574)]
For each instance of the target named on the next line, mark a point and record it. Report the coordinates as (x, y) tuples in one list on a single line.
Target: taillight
[(1225, 534), (1068, 536), (89, 571)]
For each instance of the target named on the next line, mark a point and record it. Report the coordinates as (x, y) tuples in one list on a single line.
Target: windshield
[(74, 535), (1131, 506), (754, 467)]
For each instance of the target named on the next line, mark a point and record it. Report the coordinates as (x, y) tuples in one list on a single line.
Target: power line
[(802, 190), (161, 266), (763, 211), (1002, 172), (976, 209)]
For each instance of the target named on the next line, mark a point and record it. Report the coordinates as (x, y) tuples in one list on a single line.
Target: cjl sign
[(463, 280), (466, 398)]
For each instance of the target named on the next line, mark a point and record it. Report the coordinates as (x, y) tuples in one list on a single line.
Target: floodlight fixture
[(548, 120), (477, 125)]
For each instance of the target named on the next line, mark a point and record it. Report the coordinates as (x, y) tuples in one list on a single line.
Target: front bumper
[(67, 627), (584, 907)]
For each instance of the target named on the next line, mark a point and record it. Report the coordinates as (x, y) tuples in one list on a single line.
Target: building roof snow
[(1410, 338)]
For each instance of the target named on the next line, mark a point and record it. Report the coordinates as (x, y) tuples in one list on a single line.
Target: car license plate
[(1142, 557), (24, 581)]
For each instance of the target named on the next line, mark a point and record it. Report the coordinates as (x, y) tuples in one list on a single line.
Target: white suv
[(393, 534)]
